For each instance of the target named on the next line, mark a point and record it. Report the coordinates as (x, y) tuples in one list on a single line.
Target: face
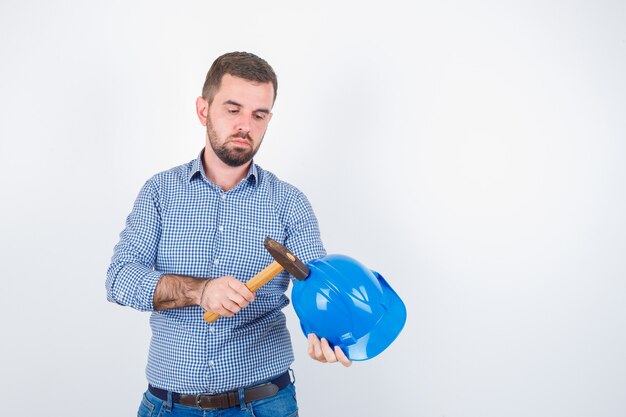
[(237, 119)]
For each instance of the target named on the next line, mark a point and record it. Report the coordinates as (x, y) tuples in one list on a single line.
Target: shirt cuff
[(148, 287)]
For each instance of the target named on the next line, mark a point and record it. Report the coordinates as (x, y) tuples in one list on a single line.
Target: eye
[(233, 110), (260, 116)]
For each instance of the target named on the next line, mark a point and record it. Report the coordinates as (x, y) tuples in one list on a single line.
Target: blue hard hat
[(349, 305)]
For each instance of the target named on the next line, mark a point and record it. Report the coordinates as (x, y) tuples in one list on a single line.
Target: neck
[(224, 176)]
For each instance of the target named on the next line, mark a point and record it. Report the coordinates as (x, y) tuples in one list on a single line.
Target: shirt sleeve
[(303, 235), (131, 277)]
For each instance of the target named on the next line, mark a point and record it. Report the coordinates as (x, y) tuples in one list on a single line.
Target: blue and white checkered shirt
[(184, 224)]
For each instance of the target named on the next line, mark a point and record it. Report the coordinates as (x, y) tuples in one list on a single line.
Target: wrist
[(204, 287)]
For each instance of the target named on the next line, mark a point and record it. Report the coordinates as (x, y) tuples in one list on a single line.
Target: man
[(194, 236)]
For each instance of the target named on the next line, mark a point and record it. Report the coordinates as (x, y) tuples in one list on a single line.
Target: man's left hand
[(321, 351)]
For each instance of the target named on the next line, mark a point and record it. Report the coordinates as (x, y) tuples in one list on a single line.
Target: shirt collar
[(197, 167)]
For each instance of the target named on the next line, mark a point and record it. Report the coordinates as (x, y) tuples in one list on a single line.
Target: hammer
[(283, 260)]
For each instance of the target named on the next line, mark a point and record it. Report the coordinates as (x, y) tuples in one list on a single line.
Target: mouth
[(241, 142)]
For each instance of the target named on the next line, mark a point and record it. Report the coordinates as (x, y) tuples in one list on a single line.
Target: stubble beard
[(231, 155)]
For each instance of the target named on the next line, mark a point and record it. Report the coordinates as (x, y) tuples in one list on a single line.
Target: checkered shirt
[(184, 224)]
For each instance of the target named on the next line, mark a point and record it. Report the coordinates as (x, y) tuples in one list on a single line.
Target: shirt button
[(212, 329), (220, 228), (223, 197), (211, 363), (216, 262)]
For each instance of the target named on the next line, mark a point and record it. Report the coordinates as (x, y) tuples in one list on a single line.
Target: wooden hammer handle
[(253, 285)]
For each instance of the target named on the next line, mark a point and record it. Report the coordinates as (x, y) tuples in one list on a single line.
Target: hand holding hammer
[(283, 259)]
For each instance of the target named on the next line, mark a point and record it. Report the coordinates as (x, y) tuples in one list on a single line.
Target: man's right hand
[(225, 296)]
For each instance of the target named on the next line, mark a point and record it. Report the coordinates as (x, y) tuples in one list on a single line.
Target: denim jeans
[(283, 404)]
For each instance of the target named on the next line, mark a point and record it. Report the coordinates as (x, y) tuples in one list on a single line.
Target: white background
[(471, 151)]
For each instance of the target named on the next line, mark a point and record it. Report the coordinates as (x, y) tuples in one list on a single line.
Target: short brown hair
[(238, 64)]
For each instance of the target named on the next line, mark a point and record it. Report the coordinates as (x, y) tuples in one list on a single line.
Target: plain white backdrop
[(473, 152)]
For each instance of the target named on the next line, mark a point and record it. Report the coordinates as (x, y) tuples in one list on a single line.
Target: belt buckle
[(199, 402)]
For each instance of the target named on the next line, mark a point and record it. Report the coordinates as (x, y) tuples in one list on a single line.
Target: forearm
[(174, 291)]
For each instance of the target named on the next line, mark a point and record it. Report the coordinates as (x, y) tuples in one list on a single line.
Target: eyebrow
[(234, 103)]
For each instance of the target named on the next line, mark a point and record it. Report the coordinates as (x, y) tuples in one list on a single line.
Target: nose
[(243, 123)]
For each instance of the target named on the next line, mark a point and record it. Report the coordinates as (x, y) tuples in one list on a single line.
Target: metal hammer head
[(286, 259)]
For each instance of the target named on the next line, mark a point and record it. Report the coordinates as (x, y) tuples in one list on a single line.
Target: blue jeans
[(283, 404)]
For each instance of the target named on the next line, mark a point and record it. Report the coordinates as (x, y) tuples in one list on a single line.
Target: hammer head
[(286, 259)]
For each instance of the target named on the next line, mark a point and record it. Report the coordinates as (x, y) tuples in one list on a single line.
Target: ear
[(202, 110)]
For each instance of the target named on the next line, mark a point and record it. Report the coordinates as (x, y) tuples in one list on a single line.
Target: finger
[(236, 298), (341, 357), (241, 289), (221, 310), (327, 351), (226, 308), (232, 306), (316, 349), (311, 348)]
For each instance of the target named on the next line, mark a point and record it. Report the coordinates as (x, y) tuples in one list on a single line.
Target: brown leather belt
[(225, 399)]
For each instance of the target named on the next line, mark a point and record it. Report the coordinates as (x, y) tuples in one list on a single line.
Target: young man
[(194, 236)]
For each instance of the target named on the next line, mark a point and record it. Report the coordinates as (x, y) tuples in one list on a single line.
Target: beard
[(233, 156)]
